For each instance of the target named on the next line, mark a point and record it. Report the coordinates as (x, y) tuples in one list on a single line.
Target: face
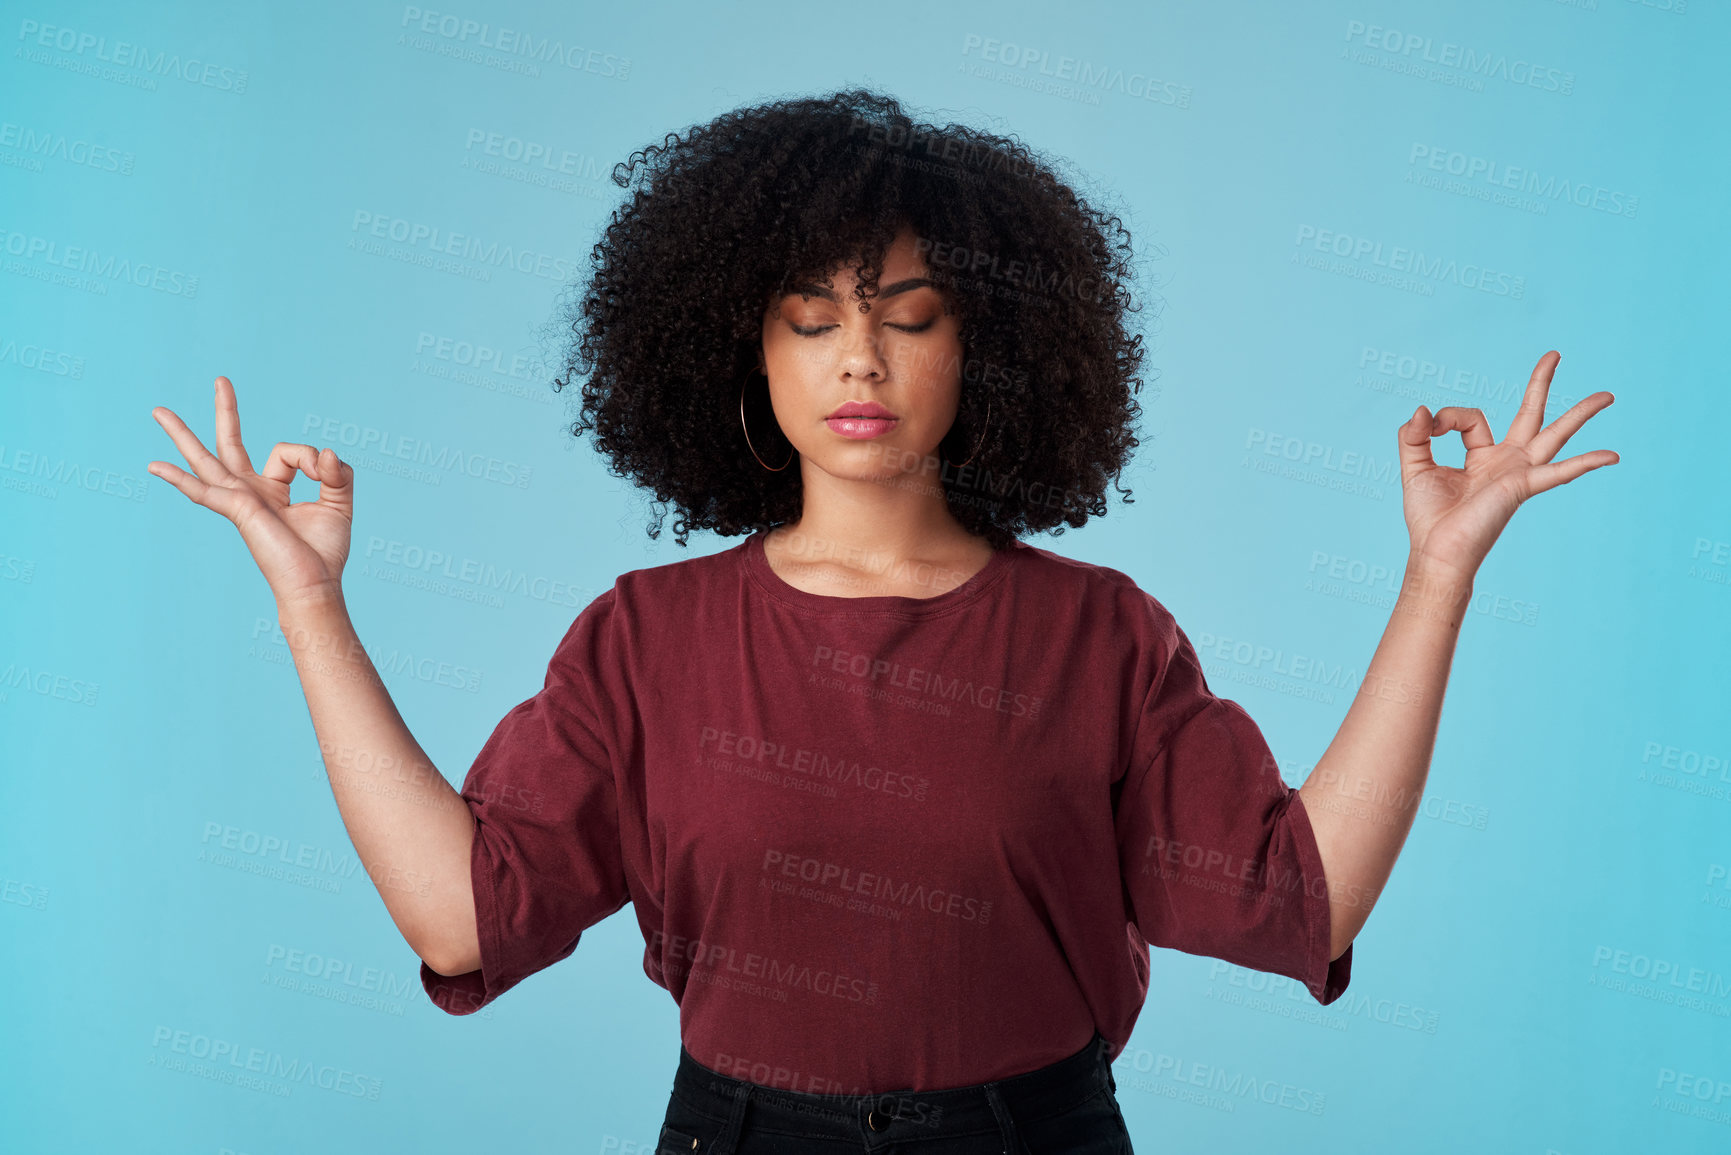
[(898, 364)]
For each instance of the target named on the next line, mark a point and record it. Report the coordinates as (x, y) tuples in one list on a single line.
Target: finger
[(1474, 429), (1415, 444), (339, 491), (264, 534), (205, 464), (1532, 411), (214, 497), (1550, 442), (1543, 477), (228, 446), (288, 456)]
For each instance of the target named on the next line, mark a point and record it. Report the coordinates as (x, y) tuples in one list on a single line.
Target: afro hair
[(726, 218)]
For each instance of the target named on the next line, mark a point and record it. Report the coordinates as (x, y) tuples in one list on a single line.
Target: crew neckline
[(755, 561)]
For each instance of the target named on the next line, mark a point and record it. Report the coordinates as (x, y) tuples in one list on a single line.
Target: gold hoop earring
[(977, 444), (747, 432)]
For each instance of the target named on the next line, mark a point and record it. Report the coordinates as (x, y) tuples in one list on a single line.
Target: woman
[(900, 801)]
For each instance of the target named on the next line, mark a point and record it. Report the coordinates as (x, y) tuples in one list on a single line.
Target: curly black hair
[(727, 218)]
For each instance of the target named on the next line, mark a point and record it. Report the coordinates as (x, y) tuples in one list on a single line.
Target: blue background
[(1510, 991)]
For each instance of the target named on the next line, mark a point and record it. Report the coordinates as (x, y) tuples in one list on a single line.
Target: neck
[(902, 518)]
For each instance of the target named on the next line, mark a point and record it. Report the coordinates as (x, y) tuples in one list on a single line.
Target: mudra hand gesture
[(1455, 515), (301, 548)]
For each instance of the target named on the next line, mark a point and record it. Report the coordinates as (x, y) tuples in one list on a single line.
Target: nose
[(861, 355)]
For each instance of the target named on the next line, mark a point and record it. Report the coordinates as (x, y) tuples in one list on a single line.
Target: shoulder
[(646, 614), (659, 585), (648, 602), (1128, 607)]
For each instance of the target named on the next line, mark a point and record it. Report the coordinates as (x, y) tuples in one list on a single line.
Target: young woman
[(900, 801)]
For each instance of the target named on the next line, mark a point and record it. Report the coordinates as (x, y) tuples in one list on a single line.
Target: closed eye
[(815, 330)]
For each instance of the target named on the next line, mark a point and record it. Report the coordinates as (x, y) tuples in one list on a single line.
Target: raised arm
[(412, 832), (1366, 788)]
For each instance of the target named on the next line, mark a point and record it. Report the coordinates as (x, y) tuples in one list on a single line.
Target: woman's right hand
[(301, 548)]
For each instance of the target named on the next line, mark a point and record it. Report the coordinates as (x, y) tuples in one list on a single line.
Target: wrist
[(313, 614), (1433, 568), (320, 599), (1432, 586)]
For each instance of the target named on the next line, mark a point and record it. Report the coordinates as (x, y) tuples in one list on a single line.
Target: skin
[(873, 514), (1366, 788), (874, 521), (411, 829)]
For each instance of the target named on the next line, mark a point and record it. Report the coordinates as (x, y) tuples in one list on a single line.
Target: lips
[(861, 420), (866, 409)]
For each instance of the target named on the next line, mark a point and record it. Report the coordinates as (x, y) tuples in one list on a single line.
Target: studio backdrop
[(369, 216)]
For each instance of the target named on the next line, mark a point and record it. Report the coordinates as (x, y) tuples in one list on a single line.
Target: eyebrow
[(901, 286)]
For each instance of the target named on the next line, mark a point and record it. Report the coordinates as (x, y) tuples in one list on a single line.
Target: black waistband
[(1035, 1095)]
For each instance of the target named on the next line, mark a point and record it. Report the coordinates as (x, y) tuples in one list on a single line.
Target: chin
[(875, 460)]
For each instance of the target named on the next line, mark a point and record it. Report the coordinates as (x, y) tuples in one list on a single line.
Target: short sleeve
[(546, 860), (1217, 852)]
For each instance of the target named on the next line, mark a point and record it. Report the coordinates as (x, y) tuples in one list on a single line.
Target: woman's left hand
[(1454, 515)]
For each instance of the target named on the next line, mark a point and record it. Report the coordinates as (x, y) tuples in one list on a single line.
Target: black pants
[(1069, 1107)]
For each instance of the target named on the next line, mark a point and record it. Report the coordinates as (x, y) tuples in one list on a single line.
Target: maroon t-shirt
[(887, 843)]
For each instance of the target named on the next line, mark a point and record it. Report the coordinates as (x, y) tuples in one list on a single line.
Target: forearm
[(1366, 788), (411, 830)]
